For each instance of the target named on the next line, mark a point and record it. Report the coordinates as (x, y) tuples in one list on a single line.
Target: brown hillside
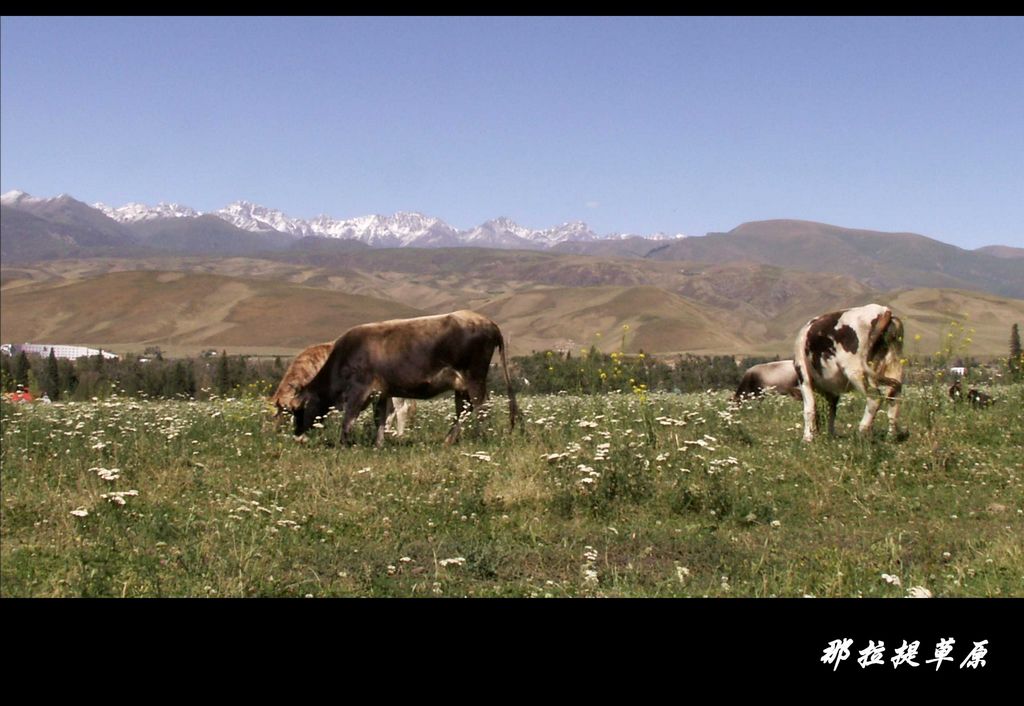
[(247, 304), (123, 310)]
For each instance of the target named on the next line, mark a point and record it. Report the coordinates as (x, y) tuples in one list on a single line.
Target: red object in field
[(21, 396)]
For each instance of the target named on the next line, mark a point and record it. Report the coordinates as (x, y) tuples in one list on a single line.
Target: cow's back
[(834, 345), (401, 354)]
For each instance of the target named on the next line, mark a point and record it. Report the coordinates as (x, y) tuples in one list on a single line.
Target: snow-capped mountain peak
[(136, 212), (16, 198), (401, 229), (252, 217)]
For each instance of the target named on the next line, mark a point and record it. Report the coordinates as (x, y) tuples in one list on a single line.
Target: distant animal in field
[(305, 366), (779, 376), (977, 398), (412, 358), (853, 349), (956, 393), (401, 410)]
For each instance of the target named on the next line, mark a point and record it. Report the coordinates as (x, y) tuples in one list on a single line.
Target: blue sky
[(631, 124)]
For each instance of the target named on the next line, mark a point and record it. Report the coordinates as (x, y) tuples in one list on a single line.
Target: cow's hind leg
[(477, 397), (381, 407), (810, 411), (462, 406), (833, 403), (358, 399)]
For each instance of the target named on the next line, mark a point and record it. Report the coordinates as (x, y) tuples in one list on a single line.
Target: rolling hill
[(881, 260), (187, 312), (256, 305)]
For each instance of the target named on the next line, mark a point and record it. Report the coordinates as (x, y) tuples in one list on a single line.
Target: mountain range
[(51, 228), (403, 229)]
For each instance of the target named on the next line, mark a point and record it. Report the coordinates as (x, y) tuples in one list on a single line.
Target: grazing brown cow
[(858, 348), (778, 375), (414, 358), (305, 366)]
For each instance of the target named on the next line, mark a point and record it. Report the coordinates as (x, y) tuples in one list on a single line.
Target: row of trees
[(237, 376), (545, 372), (82, 379), (596, 372)]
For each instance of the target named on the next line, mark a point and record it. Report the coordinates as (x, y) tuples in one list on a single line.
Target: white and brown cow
[(412, 358), (305, 366), (854, 349), (779, 375)]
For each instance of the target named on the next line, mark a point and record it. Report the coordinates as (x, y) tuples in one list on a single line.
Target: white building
[(59, 351)]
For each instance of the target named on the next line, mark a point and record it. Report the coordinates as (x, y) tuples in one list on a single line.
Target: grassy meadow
[(647, 494)]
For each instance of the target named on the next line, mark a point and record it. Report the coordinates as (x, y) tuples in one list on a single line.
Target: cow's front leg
[(893, 410), (870, 409)]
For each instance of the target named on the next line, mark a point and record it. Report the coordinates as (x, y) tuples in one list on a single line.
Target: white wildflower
[(118, 497)]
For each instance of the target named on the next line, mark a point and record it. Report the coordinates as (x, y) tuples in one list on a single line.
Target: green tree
[(21, 369), (67, 378), (6, 373), (49, 379)]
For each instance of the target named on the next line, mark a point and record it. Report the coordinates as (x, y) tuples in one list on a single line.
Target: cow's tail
[(513, 407)]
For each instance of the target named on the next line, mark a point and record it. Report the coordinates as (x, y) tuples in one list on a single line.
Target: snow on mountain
[(403, 229), (136, 212), (249, 216), (574, 231), (498, 233), (16, 198)]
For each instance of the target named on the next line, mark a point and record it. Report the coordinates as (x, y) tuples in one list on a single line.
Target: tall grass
[(647, 494)]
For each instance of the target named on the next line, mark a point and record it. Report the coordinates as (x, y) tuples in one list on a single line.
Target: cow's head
[(307, 406), (283, 403)]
